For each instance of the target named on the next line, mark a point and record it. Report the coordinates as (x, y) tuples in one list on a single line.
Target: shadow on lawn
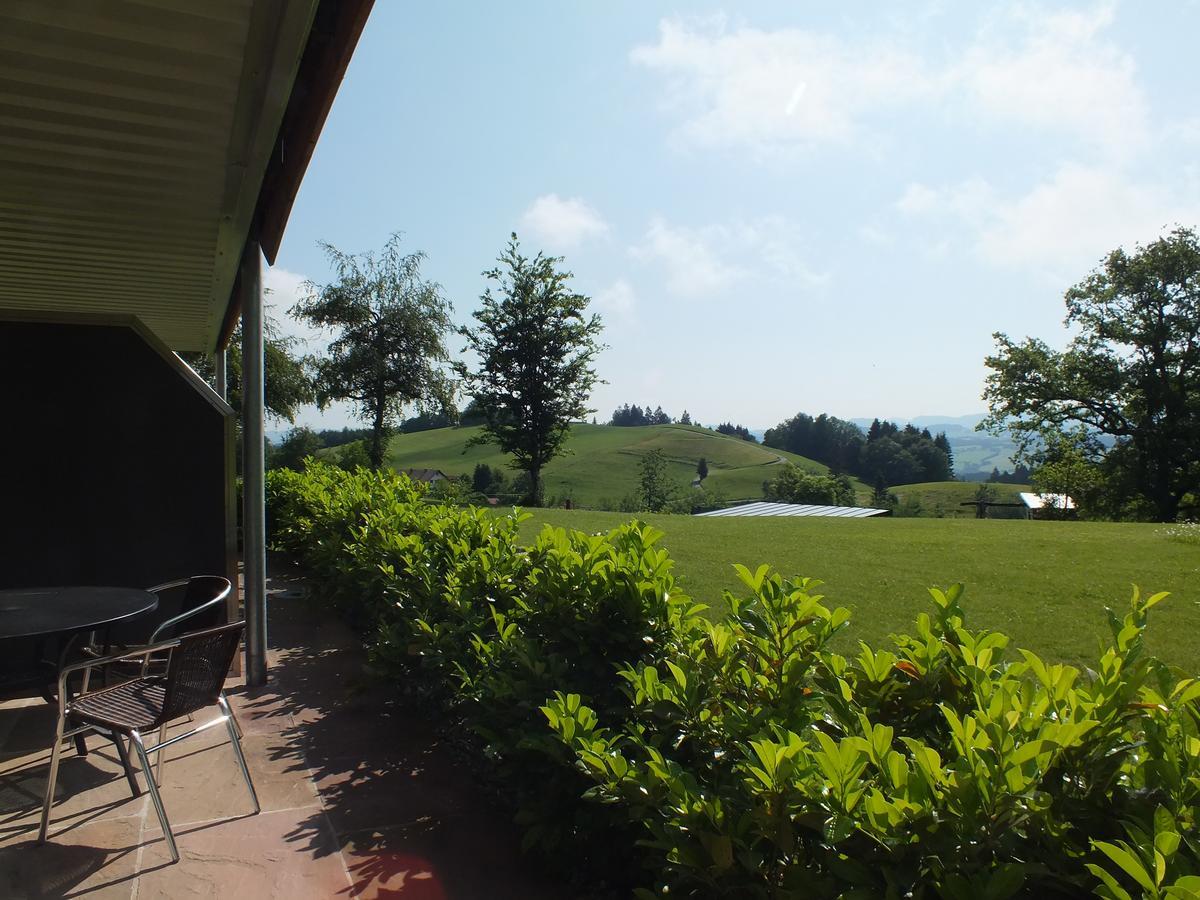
[(408, 819)]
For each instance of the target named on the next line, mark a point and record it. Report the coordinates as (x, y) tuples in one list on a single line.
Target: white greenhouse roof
[(1051, 501), (797, 509)]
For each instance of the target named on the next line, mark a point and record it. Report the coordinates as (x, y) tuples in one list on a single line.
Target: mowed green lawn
[(604, 461), (1044, 583)]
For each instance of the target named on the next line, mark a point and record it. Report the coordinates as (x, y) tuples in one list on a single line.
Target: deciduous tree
[(536, 346), (388, 347), (655, 483), (1131, 371), (288, 379)]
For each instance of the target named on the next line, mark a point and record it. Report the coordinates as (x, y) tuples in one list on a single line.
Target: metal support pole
[(234, 601), (253, 466)]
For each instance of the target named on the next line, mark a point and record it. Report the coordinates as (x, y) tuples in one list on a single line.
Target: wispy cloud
[(283, 289), (693, 263), (1065, 222), (1060, 72), (774, 90), (792, 89), (562, 223), (704, 261), (617, 302)]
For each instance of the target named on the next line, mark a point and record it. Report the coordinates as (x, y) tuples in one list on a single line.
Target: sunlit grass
[(1044, 583)]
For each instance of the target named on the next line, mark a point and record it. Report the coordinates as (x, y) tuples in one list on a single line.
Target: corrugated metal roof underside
[(133, 139), (797, 509)]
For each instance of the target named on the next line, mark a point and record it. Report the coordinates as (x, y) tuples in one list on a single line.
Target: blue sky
[(776, 207)]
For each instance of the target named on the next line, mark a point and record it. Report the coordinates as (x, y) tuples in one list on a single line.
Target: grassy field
[(944, 499), (604, 463), (1044, 583)]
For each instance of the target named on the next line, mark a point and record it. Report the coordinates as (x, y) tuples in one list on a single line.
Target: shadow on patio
[(359, 797)]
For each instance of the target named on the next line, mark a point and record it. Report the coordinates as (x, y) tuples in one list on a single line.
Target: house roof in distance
[(798, 509), (1047, 501), (426, 474)]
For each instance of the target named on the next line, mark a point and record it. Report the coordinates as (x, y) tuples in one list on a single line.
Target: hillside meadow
[(1044, 583), (603, 462)]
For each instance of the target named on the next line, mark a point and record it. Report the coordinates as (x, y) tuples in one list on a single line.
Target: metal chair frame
[(62, 733), (156, 635)]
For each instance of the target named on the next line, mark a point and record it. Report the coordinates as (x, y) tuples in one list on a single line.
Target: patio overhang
[(142, 142), (150, 154)]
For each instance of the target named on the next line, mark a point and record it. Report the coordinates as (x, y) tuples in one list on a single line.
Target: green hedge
[(677, 756)]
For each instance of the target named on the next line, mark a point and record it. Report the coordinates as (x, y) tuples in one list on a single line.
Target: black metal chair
[(202, 606), (197, 667)]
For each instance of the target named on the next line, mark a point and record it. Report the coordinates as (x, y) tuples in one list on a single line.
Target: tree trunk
[(1166, 506), (377, 439), (535, 487)]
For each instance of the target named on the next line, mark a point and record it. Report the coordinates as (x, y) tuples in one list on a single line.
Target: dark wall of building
[(113, 463)]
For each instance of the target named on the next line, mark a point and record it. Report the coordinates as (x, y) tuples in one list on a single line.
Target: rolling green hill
[(603, 465)]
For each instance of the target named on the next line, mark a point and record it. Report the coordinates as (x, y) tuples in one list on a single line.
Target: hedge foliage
[(745, 758)]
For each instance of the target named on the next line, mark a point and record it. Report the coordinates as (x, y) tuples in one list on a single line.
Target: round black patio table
[(68, 612), (29, 612)]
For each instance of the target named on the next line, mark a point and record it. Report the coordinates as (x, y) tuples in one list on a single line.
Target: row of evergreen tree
[(631, 416), (886, 453), (627, 415)]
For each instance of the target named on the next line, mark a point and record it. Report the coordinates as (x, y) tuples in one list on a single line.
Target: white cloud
[(1067, 221), (1062, 74), (617, 301), (777, 91), (562, 224), (704, 261), (283, 289), (771, 90), (693, 265), (1079, 215)]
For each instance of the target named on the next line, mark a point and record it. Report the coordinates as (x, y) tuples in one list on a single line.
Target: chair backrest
[(198, 669), (202, 589), (203, 606)]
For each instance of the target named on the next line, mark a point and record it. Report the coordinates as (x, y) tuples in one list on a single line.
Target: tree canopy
[(536, 346), (887, 453), (288, 381), (626, 415), (1131, 372), (792, 485), (388, 349)]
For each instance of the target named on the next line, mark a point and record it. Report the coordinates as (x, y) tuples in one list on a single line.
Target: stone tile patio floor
[(358, 798)]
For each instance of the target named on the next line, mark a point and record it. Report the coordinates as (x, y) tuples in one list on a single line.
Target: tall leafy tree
[(536, 346), (655, 483), (1131, 371), (288, 382), (388, 348)]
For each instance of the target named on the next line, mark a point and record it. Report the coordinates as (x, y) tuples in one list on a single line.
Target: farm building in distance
[(1040, 506), (428, 476), (798, 509)]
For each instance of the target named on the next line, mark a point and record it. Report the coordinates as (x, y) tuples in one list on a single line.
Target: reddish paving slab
[(359, 798)]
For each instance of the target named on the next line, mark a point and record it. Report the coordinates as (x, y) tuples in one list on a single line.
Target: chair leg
[(237, 726), (55, 757), (140, 746), (236, 743), (123, 753), (162, 752)]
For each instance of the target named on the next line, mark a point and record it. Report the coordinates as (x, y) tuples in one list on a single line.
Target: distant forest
[(627, 416), (886, 454)]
